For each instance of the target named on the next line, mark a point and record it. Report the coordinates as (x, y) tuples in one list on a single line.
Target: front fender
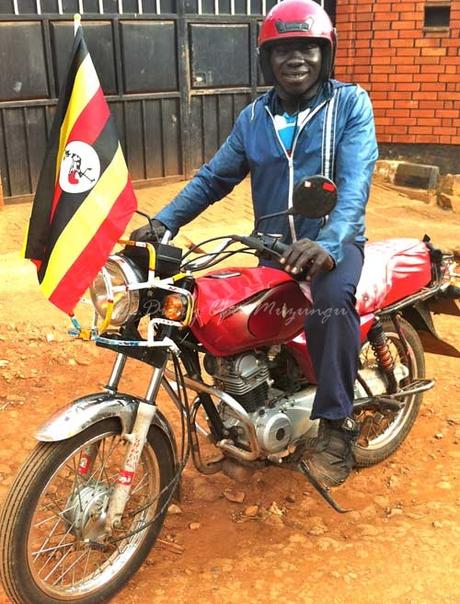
[(93, 408)]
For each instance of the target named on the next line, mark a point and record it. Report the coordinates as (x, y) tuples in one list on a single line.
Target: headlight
[(126, 302)]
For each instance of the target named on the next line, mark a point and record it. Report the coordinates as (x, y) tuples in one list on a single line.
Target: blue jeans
[(333, 335)]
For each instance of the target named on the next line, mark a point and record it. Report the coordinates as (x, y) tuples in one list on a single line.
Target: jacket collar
[(325, 93)]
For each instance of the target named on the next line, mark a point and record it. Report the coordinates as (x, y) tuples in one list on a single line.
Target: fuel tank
[(244, 308)]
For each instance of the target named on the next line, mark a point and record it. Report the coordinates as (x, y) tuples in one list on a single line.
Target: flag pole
[(76, 23)]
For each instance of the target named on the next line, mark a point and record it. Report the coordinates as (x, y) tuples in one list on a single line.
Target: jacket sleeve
[(356, 154), (212, 182)]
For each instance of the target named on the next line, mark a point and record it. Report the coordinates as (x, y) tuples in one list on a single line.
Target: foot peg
[(323, 491)]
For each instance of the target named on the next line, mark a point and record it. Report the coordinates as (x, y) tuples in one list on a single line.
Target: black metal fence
[(176, 74)]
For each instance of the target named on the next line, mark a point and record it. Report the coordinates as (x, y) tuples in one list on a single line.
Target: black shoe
[(331, 460)]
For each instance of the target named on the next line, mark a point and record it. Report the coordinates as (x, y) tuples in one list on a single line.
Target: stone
[(439, 435), (234, 496), (194, 526), (174, 509), (419, 176), (251, 511), (448, 202)]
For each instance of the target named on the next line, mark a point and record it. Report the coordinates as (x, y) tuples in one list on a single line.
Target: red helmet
[(297, 19)]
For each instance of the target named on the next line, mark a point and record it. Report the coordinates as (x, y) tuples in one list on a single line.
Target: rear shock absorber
[(379, 344)]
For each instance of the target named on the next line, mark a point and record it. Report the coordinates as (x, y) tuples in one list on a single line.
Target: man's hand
[(306, 254), (151, 233)]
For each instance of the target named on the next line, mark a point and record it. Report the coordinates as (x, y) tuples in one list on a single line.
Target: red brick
[(409, 87), (426, 139), (403, 43), (424, 96), (433, 68), (383, 52), (428, 122), (383, 104), (408, 52), (380, 7), (445, 77), (401, 97), (402, 78), (428, 42), (395, 129), (408, 121), (408, 69), (431, 104), (383, 121), (384, 69), (406, 104), (444, 130), (379, 96), (403, 25), (419, 113), (422, 130), (385, 34), (445, 140), (383, 61), (455, 140), (448, 113), (383, 87), (404, 6), (380, 43), (434, 86), (398, 112), (426, 77), (433, 52), (409, 33), (450, 42), (428, 60)]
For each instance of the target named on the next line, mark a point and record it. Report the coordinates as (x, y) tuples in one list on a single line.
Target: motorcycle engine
[(279, 419)]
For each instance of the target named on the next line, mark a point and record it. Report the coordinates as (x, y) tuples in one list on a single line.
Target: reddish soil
[(400, 545)]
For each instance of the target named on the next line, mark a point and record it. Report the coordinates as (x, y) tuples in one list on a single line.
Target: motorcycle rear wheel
[(393, 427), (46, 555)]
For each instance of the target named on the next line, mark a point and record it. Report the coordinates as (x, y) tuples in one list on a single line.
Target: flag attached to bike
[(84, 197)]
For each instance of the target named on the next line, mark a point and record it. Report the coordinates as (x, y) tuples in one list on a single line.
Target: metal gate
[(176, 73)]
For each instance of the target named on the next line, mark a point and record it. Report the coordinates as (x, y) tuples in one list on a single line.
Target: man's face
[(296, 65)]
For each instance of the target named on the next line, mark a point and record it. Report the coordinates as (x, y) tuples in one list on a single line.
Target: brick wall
[(412, 75)]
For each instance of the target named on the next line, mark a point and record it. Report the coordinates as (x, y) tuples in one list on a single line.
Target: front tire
[(46, 556), (393, 427)]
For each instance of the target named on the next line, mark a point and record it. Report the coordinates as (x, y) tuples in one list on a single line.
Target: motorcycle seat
[(393, 269)]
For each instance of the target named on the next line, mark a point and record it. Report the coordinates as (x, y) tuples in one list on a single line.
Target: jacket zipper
[(290, 159)]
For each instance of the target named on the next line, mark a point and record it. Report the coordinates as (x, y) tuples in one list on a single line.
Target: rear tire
[(21, 528), (400, 423)]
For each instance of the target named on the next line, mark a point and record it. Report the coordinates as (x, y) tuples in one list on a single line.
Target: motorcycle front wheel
[(52, 541), (383, 432)]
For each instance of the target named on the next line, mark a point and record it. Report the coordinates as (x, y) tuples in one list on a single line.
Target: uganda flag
[(84, 197)]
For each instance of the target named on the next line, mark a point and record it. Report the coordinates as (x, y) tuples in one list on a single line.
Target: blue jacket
[(336, 139)]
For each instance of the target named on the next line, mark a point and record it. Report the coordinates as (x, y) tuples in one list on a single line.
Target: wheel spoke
[(63, 562)]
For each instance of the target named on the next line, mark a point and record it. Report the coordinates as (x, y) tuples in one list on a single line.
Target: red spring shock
[(379, 343)]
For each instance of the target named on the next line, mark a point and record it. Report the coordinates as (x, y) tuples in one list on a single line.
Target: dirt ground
[(401, 544)]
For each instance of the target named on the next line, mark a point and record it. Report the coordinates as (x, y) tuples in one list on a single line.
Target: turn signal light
[(175, 307)]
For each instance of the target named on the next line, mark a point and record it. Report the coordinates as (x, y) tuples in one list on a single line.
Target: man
[(306, 124)]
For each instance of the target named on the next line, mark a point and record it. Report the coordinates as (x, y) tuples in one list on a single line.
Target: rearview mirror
[(314, 197)]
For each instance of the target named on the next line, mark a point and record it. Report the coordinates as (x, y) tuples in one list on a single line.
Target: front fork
[(136, 440)]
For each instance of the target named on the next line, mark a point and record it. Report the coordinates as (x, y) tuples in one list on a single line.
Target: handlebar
[(267, 245)]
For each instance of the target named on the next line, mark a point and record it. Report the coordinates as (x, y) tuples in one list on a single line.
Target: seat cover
[(393, 269)]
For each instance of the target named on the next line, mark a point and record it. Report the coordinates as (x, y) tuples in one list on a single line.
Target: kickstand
[(323, 491)]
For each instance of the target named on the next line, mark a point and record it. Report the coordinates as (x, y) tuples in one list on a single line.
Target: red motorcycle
[(89, 502)]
